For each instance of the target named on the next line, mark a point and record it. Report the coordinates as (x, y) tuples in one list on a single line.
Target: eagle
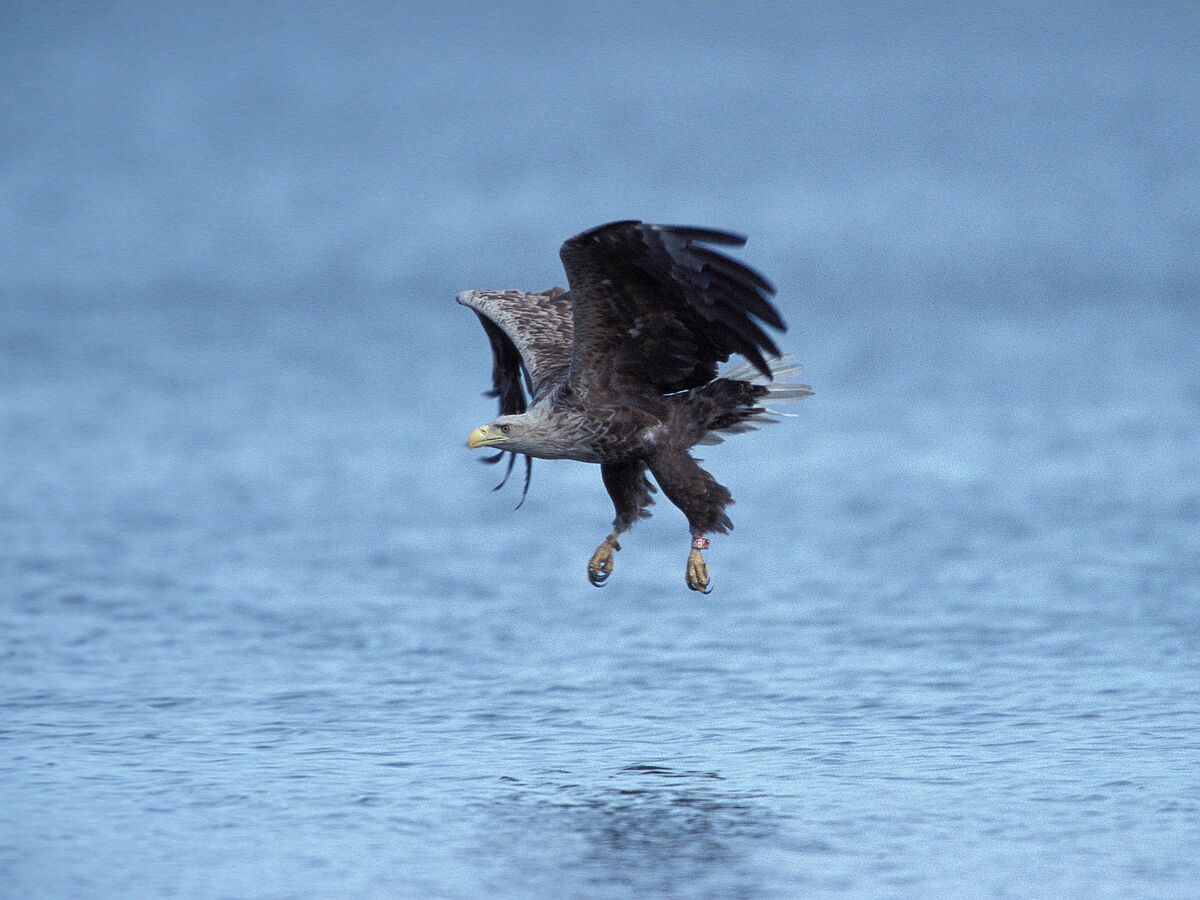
[(621, 369)]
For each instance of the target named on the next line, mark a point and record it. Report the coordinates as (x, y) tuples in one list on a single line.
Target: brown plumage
[(621, 369)]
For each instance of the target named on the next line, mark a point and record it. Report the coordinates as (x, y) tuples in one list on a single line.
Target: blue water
[(265, 632)]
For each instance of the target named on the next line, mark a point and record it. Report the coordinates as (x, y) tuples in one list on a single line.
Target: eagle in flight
[(621, 370)]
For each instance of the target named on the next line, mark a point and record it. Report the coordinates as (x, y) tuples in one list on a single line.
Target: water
[(264, 630)]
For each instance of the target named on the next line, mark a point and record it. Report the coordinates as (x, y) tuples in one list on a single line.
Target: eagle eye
[(505, 429)]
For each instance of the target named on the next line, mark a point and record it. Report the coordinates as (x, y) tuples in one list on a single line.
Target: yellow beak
[(482, 436)]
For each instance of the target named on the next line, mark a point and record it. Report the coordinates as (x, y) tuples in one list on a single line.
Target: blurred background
[(266, 632)]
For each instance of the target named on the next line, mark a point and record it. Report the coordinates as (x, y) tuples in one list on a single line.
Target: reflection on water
[(646, 829)]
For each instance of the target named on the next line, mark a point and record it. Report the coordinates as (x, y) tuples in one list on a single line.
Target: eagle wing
[(654, 309), (529, 331), (530, 334)]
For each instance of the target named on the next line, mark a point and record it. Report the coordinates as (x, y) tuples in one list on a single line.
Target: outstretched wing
[(537, 328), (654, 307), (530, 335)]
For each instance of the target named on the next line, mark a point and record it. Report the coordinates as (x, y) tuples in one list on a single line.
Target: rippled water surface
[(265, 631)]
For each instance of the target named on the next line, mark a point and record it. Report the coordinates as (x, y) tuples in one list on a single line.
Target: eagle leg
[(631, 494), (701, 499), (600, 566), (697, 570)]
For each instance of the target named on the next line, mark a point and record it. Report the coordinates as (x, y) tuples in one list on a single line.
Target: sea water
[(265, 630)]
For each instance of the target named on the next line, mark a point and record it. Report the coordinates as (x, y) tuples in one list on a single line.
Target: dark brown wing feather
[(507, 370), (652, 307), (507, 377)]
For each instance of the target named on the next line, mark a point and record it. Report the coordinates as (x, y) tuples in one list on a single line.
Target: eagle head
[(506, 433), (537, 433)]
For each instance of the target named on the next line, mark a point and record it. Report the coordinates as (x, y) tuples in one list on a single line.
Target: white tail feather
[(778, 391), (781, 367)]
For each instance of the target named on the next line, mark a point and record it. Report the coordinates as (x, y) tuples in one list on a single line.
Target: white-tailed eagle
[(621, 370)]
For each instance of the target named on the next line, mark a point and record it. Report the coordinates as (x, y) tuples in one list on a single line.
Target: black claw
[(597, 579)]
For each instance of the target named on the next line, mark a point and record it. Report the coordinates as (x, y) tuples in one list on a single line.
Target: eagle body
[(621, 369)]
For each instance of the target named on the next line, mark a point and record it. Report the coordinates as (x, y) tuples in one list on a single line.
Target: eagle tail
[(737, 402)]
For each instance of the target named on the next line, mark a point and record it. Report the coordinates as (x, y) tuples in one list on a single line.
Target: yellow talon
[(697, 572), (600, 566)]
